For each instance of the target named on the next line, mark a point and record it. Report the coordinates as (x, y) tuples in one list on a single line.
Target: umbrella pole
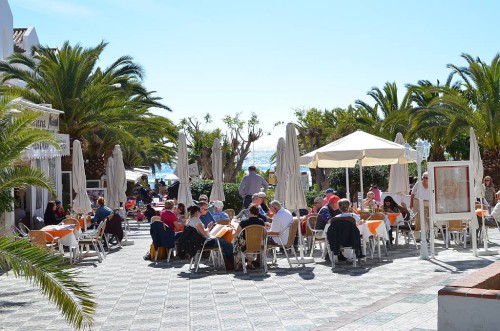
[(347, 193), (302, 259), (361, 182)]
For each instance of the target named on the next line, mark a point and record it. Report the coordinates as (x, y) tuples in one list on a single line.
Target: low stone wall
[(472, 302)]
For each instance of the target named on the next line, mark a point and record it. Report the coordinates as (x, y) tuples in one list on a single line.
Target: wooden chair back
[(38, 238), (230, 213), (156, 219), (346, 218), (292, 232), (456, 225), (224, 222), (377, 217), (364, 215), (254, 236), (310, 224)]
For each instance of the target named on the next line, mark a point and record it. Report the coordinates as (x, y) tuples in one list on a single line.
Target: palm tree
[(101, 107), (48, 272), (388, 115)]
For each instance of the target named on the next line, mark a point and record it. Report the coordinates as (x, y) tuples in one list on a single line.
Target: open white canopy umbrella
[(182, 171), (294, 193), (281, 172), (399, 182), (217, 192), (358, 147), (477, 173), (81, 203)]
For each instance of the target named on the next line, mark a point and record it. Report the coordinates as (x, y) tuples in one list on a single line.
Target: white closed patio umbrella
[(81, 203), (182, 171), (281, 172), (477, 173), (294, 194), (399, 182), (217, 192)]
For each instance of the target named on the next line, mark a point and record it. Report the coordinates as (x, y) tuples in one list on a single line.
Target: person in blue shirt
[(250, 184), (206, 217), (218, 214), (102, 212)]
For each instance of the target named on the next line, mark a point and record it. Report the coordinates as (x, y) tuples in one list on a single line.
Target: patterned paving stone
[(398, 293)]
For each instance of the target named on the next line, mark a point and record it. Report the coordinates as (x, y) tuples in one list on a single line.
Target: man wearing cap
[(327, 212), (218, 214), (251, 184), (328, 194)]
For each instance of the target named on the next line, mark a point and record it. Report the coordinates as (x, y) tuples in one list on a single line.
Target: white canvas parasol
[(478, 172), (182, 171), (217, 192), (281, 172), (81, 203), (119, 181), (399, 183)]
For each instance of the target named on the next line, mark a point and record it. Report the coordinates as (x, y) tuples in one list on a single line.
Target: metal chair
[(293, 227), (38, 238), (327, 244), (94, 239), (215, 255), (255, 240), (311, 232)]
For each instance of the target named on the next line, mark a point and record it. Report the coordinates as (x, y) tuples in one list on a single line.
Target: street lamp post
[(423, 148)]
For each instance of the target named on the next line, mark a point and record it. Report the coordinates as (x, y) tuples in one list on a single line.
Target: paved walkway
[(399, 293)]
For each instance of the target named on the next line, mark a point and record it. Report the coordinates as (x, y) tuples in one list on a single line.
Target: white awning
[(136, 174)]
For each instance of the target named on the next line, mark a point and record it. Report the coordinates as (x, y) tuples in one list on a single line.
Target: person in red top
[(168, 216), (328, 194)]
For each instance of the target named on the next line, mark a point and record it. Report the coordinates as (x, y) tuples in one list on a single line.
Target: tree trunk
[(437, 153), (491, 165)]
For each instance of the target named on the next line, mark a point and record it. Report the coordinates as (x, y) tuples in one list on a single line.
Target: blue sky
[(271, 57)]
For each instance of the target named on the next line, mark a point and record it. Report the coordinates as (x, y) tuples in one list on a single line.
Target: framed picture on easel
[(451, 185), (95, 193)]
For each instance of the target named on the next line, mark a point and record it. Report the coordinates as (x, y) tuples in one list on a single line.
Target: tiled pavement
[(399, 293)]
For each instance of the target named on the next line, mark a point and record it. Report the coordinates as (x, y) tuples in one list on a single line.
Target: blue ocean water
[(261, 158)]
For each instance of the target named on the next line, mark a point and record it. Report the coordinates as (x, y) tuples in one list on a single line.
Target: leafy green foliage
[(233, 199)]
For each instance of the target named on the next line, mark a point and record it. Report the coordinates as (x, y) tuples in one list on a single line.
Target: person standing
[(250, 184), (423, 194)]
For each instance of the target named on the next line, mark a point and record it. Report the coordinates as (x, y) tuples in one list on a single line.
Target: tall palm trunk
[(491, 164)]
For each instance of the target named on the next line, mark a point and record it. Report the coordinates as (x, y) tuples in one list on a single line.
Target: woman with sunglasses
[(489, 191)]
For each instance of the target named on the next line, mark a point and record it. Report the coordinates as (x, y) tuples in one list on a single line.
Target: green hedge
[(233, 199)]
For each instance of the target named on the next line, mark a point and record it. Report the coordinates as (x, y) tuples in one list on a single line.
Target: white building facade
[(43, 157)]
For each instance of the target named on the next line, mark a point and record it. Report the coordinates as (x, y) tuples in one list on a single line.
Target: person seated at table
[(374, 188), (101, 213), (49, 217), (256, 200), (370, 203), (327, 212), (239, 241), (195, 222), (263, 204), (495, 213), (206, 216), (218, 214), (168, 216), (180, 211), (280, 227), (318, 203), (344, 206), (60, 212), (149, 212), (390, 206), (204, 198)]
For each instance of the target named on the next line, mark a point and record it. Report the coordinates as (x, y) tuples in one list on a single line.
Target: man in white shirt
[(280, 227), (416, 194)]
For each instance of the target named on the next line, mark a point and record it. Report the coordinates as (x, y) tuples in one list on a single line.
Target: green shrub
[(233, 199)]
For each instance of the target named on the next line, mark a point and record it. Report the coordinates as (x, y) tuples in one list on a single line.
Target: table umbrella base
[(486, 252), (302, 260)]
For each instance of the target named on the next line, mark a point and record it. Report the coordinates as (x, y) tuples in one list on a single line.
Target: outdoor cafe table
[(66, 233), (375, 228)]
